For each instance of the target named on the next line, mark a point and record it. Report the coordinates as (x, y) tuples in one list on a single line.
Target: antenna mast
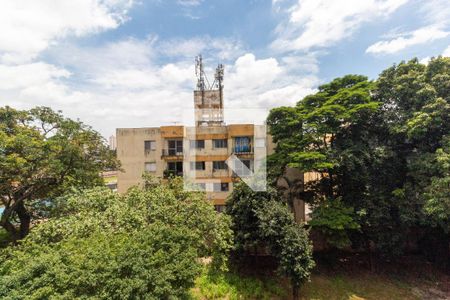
[(199, 73), (218, 77)]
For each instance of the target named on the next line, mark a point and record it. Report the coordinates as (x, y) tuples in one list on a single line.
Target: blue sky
[(126, 63)]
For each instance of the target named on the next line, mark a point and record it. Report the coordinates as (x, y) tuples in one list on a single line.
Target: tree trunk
[(295, 292), (370, 256), (25, 220)]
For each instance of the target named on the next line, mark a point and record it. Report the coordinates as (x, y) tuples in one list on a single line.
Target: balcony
[(220, 173), (246, 149), (171, 152), (172, 173)]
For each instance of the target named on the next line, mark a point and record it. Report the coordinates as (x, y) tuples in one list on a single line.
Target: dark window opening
[(219, 165), (197, 144), (197, 165), (220, 143)]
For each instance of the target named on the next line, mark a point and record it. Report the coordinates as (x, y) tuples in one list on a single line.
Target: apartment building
[(199, 153)]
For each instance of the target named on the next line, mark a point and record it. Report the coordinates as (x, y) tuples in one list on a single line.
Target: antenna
[(199, 73), (202, 80), (218, 77)]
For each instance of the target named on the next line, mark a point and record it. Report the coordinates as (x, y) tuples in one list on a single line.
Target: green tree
[(146, 244), (379, 148), (416, 109), (42, 155), (263, 219), (328, 133)]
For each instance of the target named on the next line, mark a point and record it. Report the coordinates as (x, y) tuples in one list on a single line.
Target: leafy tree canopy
[(379, 149), (262, 219), (43, 155), (146, 244)]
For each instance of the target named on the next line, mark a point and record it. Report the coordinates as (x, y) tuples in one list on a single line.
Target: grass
[(392, 282), (363, 286), (232, 286), (326, 287)]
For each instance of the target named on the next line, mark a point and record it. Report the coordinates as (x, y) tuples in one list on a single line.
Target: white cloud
[(189, 2), (33, 74), (265, 83), (253, 74), (435, 11), (131, 89), (425, 60), (29, 26), (128, 83), (222, 48), (321, 23), (446, 52), (436, 15), (417, 37)]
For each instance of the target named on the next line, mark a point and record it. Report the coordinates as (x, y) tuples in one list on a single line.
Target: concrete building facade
[(200, 152)]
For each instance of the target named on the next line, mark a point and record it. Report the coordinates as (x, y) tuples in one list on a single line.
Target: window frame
[(222, 145), (194, 165), (176, 148), (197, 144), (216, 162), (151, 147)]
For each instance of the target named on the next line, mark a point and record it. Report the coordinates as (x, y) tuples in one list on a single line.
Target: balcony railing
[(171, 152), (172, 173), (243, 149)]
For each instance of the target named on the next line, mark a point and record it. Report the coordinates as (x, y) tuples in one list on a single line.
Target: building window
[(221, 187), (219, 165), (174, 168), (220, 208), (198, 165), (220, 143), (175, 147), (197, 144), (149, 145), (242, 144), (150, 167)]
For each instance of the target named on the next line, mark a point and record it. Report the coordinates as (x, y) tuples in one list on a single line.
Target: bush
[(98, 244)]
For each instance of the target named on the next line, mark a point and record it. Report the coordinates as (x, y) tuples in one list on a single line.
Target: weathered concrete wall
[(132, 155)]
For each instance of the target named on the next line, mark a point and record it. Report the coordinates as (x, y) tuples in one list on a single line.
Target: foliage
[(242, 206), (4, 238), (154, 263), (98, 244), (437, 194), (43, 155), (262, 219), (379, 149), (335, 221)]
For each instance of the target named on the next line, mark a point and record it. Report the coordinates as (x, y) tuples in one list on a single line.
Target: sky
[(130, 63)]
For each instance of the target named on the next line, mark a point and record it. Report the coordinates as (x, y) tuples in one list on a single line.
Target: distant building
[(112, 143)]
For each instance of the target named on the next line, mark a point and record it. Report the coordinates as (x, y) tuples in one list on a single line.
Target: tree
[(416, 108), (146, 244), (263, 219), (43, 155), (328, 135), (379, 149)]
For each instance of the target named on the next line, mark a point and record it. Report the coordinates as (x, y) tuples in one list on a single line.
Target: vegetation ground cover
[(410, 278)]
